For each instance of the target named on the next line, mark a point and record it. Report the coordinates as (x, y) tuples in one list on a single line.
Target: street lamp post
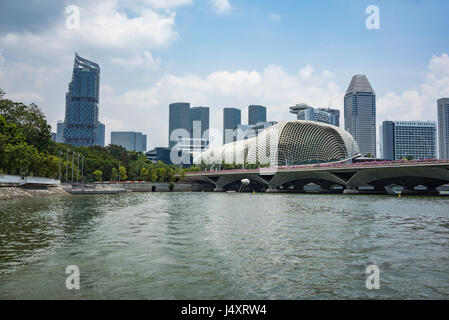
[(73, 160), (67, 165), (77, 169), (59, 165)]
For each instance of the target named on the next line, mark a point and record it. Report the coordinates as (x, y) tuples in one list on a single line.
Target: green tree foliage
[(98, 174), (122, 171), (114, 174)]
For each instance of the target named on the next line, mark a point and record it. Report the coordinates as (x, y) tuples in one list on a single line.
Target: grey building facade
[(131, 141), (256, 114), (232, 117), (81, 124), (179, 118), (360, 114), (443, 127), (335, 113), (199, 128), (401, 139), (305, 112)]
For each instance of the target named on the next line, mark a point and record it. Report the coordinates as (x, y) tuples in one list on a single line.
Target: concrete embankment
[(12, 193)]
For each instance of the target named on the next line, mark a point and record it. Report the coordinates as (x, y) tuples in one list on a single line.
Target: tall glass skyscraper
[(199, 128), (360, 114), (81, 125), (256, 114), (232, 117), (409, 138), (179, 118), (443, 127), (131, 141)]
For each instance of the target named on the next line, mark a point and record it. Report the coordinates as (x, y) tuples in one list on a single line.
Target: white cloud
[(274, 17), (103, 28), (157, 4), (138, 60), (221, 6), (418, 104)]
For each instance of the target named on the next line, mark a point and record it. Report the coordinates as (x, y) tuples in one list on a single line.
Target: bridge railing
[(328, 165)]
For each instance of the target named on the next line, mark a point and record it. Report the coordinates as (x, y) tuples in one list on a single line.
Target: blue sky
[(226, 53)]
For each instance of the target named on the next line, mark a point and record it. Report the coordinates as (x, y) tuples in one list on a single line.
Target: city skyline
[(144, 73)]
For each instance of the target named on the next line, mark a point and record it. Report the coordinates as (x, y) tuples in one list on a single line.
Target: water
[(225, 246)]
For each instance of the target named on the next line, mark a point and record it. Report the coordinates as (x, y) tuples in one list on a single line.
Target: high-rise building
[(232, 118), (179, 119), (443, 127), (256, 114), (401, 139), (335, 113), (131, 141), (249, 131), (81, 125), (305, 112), (360, 114), (60, 132), (199, 128)]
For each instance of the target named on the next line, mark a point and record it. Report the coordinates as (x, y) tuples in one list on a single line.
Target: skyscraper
[(443, 127), (232, 117), (360, 114), (81, 125), (401, 139), (199, 127), (256, 114), (335, 113), (131, 141), (305, 112), (179, 118)]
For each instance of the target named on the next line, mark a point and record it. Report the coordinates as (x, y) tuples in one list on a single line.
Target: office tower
[(199, 128), (443, 127), (179, 119), (360, 114), (401, 139), (131, 141), (305, 112), (256, 114), (60, 132), (335, 115), (232, 117), (100, 135), (249, 131), (81, 124), (387, 140)]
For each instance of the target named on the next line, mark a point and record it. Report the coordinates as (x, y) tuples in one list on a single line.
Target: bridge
[(407, 177)]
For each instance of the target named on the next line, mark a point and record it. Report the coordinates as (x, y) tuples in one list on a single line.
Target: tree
[(123, 175), (153, 175), (114, 174), (98, 174), (144, 174)]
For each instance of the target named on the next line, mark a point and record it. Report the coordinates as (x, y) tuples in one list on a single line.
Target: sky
[(225, 53)]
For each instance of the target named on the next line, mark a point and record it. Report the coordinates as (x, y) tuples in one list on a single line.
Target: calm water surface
[(225, 246)]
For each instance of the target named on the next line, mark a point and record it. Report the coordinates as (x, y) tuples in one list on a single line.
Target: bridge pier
[(272, 190)]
